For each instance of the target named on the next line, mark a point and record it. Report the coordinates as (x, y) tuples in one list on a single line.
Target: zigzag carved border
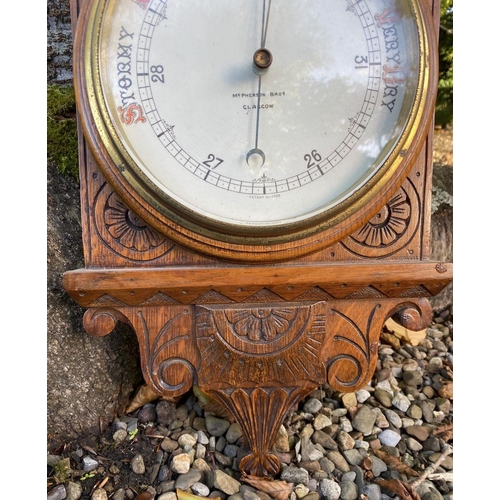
[(314, 293)]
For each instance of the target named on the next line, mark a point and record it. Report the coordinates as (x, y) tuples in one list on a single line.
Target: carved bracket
[(354, 327), (260, 361)]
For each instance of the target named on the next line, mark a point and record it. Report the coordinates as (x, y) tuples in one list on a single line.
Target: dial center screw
[(262, 60)]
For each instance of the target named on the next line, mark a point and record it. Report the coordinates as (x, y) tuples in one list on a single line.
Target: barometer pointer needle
[(262, 61)]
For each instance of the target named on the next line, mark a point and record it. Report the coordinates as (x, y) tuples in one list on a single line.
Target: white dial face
[(250, 146)]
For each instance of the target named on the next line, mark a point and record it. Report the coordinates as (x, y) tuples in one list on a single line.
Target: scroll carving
[(168, 354), (354, 328), (100, 322), (354, 348), (169, 357), (415, 316)]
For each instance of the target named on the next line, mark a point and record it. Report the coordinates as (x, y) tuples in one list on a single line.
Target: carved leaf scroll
[(168, 355), (353, 332), (260, 412)]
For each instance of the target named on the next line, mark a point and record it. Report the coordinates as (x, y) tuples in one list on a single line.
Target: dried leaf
[(211, 406), (143, 396), (390, 339), (280, 490), (446, 390), (442, 428), (445, 432), (395, 463), (446, 436), (403, 490), (183, 495)]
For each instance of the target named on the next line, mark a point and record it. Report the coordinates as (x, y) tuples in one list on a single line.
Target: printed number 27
[(212, 162)]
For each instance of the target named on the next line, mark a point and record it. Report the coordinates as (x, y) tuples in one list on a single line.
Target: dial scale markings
[(150, 24)]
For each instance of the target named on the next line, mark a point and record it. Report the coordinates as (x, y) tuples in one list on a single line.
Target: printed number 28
[(157, 75)]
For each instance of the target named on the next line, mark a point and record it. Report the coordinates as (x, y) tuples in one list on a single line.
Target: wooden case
[(257, 336)]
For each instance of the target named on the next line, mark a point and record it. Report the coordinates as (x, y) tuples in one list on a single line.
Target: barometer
[(256, 123), (256, 192)]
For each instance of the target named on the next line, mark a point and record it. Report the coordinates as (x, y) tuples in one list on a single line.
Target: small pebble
[(120, 435), (225, 483), (362, 395), (89, 464), (301, 491), (372, 492), (147, 414), (181, 463), (99, 494), (364, 420), (312, 405), (233, 433), (295, 475), (393, 418), (200, 489), (354, 457), (216, 426), (138, 465), (389, 437), (378, 466), (187, 441), (185, 481), (330, 489), (349, 490), (57, 493), (413, 444), (73, 491), (401, 402), (321, 421), (345, 441)]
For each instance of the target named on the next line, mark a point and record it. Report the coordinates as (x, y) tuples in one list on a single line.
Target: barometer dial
[(254, 122)]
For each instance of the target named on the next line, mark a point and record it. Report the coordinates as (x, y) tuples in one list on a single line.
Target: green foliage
[(62, 136), (444, 103), (87, 476), (62, 470)]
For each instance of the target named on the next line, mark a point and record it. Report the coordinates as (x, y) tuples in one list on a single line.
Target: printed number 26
[(312, 159)]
